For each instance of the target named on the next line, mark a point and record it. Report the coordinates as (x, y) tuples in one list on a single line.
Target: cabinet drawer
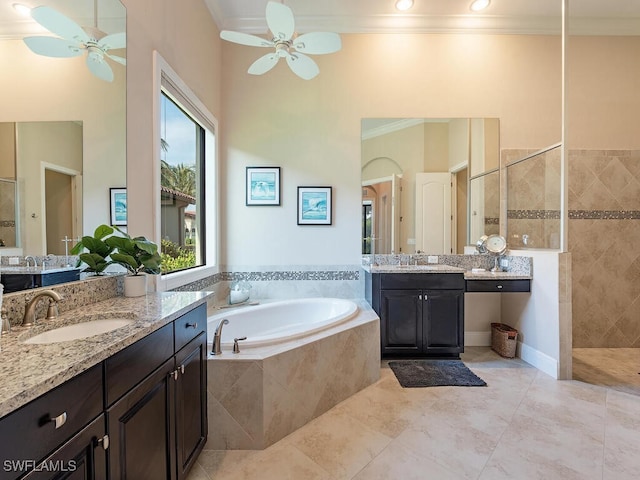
[(422, 280), (189, 326), (130, 366), (520, 285), (30, 433)]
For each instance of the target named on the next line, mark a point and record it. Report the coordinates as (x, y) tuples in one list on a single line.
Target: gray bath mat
[(434, 373)]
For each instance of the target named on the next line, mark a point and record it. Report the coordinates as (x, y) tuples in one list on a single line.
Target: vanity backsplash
[(74, 295)]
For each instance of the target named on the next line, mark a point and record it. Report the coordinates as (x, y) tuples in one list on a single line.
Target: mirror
[(415, 182), (60, 126)]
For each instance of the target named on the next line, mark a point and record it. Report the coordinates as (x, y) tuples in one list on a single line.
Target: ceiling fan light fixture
[(404, 5), (479, 5), (22, 9)]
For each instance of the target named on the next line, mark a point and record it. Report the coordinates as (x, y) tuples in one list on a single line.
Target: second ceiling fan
[(286, 43)]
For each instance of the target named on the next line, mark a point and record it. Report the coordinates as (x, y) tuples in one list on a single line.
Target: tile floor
[(617, 368), (523, 425)]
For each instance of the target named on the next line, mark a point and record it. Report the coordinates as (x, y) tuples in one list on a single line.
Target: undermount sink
[(79, 330)]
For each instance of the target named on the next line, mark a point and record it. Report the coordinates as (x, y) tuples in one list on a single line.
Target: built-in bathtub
[(280, 321), (301, 358)]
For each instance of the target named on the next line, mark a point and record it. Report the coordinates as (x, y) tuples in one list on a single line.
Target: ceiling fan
[(286, 43), (73, 40)]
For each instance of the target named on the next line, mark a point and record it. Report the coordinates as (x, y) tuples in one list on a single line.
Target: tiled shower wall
[(533, 199), (604, 234), (604, 230)]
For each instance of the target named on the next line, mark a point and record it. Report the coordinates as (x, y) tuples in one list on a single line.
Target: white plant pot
[(135, 285)]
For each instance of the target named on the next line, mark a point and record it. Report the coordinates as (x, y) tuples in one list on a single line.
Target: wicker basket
[(504, 339)]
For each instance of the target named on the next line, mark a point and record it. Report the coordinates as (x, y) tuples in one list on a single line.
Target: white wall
[(538, 316)]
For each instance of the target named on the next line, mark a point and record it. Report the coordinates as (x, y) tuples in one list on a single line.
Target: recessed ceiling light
[(22, 9), (403, 5), (478, 5)]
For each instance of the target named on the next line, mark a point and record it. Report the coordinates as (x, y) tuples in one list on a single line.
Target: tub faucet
[(29, 318), (216, 337), (26, 260)]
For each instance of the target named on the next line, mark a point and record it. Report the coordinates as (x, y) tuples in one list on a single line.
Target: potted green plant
[(97, 258), (138, 255)]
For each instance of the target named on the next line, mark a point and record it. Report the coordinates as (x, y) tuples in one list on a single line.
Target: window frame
[(201, 114)]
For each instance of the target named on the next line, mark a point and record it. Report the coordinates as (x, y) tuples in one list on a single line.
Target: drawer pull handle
[(182, 369), (499, 287), (104, 441), (60, 420), (192, 325)]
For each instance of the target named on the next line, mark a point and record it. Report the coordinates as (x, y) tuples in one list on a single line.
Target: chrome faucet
[(216, 337), (26, 260), (29, 318)]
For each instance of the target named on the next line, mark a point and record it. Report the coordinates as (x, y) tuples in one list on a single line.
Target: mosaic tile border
[(8, 223), (492, 220), (573, 215), (533, 214), (271, 276), (604, 214)]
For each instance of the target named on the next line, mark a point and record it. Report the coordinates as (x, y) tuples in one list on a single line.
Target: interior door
[(433, 213)]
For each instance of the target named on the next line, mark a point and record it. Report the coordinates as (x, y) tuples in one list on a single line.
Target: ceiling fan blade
[(280, 20), (116, 58), (318, 43), (113, 41), (53, 47), (57, 23), (264, 64), (302, 65), (245, 39), (99, 67)]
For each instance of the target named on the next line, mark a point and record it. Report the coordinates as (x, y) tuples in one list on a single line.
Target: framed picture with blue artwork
[(118, 202), (314, 206), (263, 186)]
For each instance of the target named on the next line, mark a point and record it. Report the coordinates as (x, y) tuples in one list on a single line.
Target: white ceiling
[(370, 16), (380, 16)]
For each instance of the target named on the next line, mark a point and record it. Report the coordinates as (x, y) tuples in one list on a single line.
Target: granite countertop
[(489, 275), (440, 268), (36, 270), (433, 268), (28, 371)]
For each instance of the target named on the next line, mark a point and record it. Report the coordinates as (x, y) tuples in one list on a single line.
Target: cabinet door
[(191, 403), (81, 458), (400, 321), (443, 322), (141, 429)]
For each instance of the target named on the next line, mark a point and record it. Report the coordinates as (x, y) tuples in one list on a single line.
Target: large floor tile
[(338, 443)]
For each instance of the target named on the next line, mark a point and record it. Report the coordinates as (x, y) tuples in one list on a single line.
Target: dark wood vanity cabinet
[(420, 314), (159, 426), (140, 414), (48, 427)]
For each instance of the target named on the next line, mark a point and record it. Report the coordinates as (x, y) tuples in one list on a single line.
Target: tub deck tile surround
[(28, 371), (263, 394)]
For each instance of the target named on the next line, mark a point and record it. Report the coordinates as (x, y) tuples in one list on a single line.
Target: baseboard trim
[(540, 360)]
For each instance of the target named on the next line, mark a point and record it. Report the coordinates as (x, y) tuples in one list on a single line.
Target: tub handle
[(236, 347)]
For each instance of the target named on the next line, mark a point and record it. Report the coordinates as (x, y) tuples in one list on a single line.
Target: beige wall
[(312, 128), (59, 145), (8, 150), (604, 99), (36, 88)]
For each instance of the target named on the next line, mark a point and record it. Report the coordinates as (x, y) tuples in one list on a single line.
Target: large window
[(187, 165)]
